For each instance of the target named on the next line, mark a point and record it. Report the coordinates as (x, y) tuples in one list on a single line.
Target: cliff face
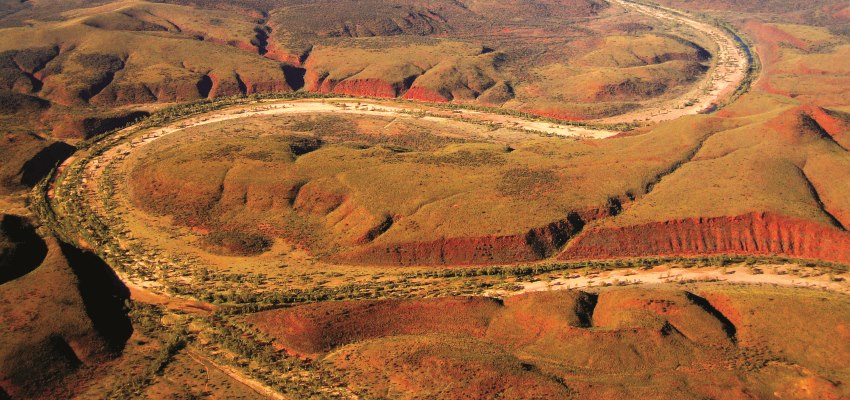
[(753, 233), (366, 87), (762, 234), (424, 94), (278, 54), (536, 244)]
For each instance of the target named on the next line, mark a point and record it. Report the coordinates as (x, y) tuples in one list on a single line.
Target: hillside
[(713, 341), (324, 191), (62, 314), (135, 52), (85, 69), (773, 185)]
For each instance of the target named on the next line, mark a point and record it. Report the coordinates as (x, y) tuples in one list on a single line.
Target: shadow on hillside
[(205, 85), (27, 253), (728, 326), (45, 160), (104, 296), (294, 76), (97, 125)]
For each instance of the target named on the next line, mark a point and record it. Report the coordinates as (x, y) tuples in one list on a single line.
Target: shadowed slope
[(21, 249), (58, 324)]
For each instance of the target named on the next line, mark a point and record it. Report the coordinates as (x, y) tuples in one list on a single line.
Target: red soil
[(753, 233), (354, 87), (59, 93), (442, 367), (267, 86), (670, 340), (281, 55), (636, 308), (838, 127), (366, 87), (843, 14), (531, 316), (770, 40), (794, 125), (65, 126), (223, 87), (241, 45), (843, 331), (314, 82), (275, 52), (317, 328), (424, 94), (50, 335), (726, 306), (450, 251), (312, 198), (772, 34)]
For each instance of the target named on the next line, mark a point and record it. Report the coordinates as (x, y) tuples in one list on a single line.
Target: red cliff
[(753, 233)]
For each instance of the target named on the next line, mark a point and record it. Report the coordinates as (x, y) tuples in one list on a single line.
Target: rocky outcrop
[(21, 70), (282, 56), (223, 86), (212, 85), (749, 234), (21, 104), (265, 86), (317, 82), (370, 87), (535, 244), (314, 198), (420, 93), (36, 168), (21, 249)]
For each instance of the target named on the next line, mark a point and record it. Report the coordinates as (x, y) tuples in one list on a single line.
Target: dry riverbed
[(778, 275), (729, 69)]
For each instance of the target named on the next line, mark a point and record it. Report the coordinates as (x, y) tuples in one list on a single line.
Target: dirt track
[(257, 386)]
